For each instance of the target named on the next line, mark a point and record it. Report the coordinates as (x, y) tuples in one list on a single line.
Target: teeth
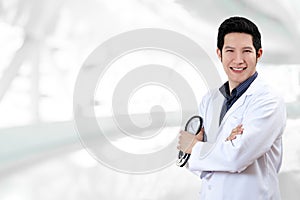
[(237, 69)]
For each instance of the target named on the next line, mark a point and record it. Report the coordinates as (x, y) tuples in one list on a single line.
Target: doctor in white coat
[(243, 124)]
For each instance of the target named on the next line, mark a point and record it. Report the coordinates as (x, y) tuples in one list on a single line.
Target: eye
[(248, 51), (228, 50)]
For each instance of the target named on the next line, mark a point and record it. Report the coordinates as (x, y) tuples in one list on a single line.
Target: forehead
[(238, 40)]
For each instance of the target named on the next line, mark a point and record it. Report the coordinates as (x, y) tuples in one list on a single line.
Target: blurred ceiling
[(278, 20), (43, 43)]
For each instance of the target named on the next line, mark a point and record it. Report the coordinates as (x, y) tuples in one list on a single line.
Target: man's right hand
[(187, 140)]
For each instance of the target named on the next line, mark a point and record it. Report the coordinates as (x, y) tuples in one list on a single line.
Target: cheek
[(225, 61), (252, 62), (252, 58)]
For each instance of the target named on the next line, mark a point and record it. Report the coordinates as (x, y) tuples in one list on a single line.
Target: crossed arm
[(263, 125), (187, 140)]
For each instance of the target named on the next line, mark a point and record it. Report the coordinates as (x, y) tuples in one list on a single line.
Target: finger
[(181, 133), (199, 135), (234, 133), (237, 128), (240, 130), (201, 131), (240, 126), (230, 138)]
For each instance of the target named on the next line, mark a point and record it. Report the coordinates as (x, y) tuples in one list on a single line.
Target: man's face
[(238, 57)]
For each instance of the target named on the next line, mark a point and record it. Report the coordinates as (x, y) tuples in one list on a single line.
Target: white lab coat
[(247, 167)]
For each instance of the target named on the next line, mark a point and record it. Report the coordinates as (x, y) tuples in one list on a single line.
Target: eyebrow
[(229, 47), (247, 48)]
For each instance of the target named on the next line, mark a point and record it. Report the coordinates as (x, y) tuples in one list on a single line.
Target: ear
[(219, 53), (259, 53)]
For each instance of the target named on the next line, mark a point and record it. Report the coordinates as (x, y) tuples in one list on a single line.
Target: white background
[(43, 44)]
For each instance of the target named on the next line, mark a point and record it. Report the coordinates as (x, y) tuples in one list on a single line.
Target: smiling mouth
[(239, 69)]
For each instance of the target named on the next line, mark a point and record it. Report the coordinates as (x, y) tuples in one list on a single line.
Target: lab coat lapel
[(252, 88), (213, 126)]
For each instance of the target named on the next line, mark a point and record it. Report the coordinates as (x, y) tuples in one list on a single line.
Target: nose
[(238, 58)]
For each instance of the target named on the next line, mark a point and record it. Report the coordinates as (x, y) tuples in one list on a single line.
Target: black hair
[(239, 25)]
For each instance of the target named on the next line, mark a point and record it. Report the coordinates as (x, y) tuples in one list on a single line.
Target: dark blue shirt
[(230, 99)]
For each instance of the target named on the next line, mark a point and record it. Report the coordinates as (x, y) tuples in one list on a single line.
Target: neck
[(232, 86)]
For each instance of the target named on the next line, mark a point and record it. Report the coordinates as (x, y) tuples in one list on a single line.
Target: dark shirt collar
[(239, 90)]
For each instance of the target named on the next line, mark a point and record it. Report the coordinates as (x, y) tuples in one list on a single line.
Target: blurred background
[(43, 44)]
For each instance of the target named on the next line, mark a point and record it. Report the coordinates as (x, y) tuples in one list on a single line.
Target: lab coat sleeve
[(263, 123)]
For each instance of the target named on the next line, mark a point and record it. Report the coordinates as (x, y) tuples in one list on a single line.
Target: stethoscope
[(193, 125)]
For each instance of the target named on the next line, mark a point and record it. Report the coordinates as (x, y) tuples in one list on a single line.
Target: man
[(243, 124)]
